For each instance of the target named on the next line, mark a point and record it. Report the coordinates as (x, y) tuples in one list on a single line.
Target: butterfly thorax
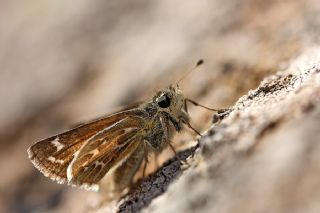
[(167, 115)]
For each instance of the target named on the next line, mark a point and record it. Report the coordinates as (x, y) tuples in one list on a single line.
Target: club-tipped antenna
[(199, 62)]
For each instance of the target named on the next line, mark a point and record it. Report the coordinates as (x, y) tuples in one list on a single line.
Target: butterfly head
[(170, 99)]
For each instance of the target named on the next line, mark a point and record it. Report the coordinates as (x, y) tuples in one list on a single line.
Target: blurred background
[(67, 62)]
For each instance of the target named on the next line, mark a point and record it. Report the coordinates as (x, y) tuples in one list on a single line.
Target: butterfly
[(117, 143)]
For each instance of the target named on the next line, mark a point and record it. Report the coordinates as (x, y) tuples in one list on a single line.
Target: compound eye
[(164, 101)]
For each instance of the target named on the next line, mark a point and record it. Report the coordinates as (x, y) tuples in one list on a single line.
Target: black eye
[(164, 101)]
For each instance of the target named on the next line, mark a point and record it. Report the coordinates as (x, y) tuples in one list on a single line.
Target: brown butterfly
[(118, 143)]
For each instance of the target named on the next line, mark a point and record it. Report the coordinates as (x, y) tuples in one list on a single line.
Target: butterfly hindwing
[(91, 167), (102, 151)]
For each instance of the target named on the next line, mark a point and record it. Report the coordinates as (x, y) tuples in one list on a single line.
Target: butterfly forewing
[(52, 156)]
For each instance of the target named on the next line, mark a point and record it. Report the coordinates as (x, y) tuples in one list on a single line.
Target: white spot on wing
[(69, 173), (52, 159), (129, 129), (45, 170), (57, 144), (94, 152), (69, 169), (97, 163)]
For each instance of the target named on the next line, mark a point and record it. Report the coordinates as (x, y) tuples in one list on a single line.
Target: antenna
[(199, 62)]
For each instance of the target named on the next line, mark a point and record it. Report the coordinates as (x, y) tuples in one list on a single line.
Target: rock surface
[(264, 157)]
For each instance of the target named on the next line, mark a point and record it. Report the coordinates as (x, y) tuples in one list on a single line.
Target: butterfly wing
[(103, 151), (54, 155), (87, 170)]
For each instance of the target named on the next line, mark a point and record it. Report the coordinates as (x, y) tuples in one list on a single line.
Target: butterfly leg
[(167, 140), (185, 105), (189, 125), (183, 162)]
